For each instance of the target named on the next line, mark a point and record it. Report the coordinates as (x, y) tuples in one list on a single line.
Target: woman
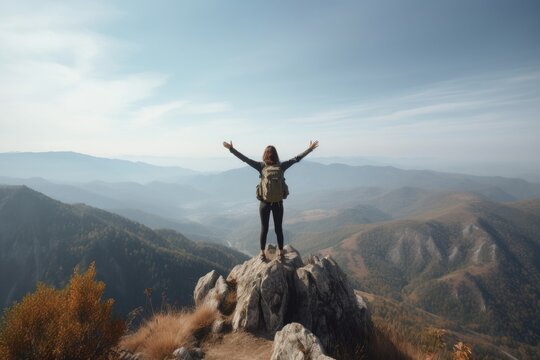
[(270, 157)]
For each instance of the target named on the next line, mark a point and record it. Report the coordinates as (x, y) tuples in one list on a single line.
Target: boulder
[(204, 285), (215, 296), (295, 342), (327, 305), (182, 354), (127, 355), (275, 292), (218, 326), (263, 292), (198, 353)]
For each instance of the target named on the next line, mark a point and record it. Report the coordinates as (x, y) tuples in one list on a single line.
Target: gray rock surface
[(218, 326), (182, 354), (262, 291), (272, 293), (217, 294), (204, 285), (198, 353), (294, 341), (327, 305), (127, 355)]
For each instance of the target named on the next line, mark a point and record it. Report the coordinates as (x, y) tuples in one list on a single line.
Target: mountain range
[(466, 258), (455, 246), (42, 239), (205, 205), (66, 166)]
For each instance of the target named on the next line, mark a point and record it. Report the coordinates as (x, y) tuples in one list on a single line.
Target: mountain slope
[(421, 328), (42, 239), (190, 229), (473, 261), (155, 204)]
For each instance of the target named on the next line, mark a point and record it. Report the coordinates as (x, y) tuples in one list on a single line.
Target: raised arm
[(287, 164), (254, 164)]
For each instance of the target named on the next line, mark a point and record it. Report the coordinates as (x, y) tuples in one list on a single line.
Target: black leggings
[(277, 213)]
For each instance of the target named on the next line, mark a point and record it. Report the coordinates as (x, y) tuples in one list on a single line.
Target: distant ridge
[(311, 177), (237, 184), (67, 166)]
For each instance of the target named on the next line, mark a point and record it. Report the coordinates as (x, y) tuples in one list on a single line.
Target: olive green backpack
[(272, 187)]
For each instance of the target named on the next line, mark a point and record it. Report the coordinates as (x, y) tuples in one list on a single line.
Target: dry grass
[(239, 346), (387, 343), (229, 303), (164, 333)]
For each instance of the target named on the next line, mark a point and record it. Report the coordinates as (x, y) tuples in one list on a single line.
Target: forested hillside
[(42, 239), (473, 261)]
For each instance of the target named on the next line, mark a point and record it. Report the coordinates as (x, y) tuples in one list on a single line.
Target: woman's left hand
[(313, 144)]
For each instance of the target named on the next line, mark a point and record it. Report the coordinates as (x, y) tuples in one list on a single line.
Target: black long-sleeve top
[(260, 165)]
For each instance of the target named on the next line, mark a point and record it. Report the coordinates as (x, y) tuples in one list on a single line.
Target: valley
[(452, 251)]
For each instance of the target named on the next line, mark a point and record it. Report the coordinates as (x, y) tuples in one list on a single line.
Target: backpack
[(272, 187)]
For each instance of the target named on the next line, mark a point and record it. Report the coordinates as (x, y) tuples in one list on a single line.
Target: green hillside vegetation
[(312, 235), (429, 333), (402, 203), (315, 221), (243, 231), (42, 239), (467, 259), (449, 260), (332, 212), (190, 229)]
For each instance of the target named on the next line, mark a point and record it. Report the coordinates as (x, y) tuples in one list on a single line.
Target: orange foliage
[(164, 332), (72, 323), (462, 351)]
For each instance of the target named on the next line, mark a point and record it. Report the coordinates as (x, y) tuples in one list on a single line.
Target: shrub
[(72, 323), (462, 351), (159, 336)]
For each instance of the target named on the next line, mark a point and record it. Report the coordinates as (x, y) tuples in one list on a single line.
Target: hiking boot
[(280, 254), (262, 256)]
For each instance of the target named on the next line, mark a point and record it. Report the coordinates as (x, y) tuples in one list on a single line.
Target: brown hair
[(270, 155)]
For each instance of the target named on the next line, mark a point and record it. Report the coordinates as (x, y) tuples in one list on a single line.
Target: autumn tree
[(72, 323)]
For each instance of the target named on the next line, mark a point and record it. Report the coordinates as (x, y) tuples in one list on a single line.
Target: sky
[(450, 81)]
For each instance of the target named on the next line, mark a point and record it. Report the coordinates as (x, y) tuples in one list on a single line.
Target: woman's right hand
[(227, 145)]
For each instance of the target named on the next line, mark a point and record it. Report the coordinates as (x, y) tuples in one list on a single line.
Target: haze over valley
[(453, 245)]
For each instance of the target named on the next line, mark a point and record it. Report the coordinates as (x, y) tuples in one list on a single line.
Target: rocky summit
[(262, 296)]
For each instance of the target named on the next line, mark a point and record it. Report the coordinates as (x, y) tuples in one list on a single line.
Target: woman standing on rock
[(272, 189)]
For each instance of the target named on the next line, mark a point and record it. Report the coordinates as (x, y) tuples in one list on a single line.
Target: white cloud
[(156, 114), (51, 82), (58, 90), (207, 108), (149, 115), (61, 89), (460, 100), (479, 117)]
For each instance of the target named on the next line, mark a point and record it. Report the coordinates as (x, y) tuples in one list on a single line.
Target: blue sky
[(455, 80)]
